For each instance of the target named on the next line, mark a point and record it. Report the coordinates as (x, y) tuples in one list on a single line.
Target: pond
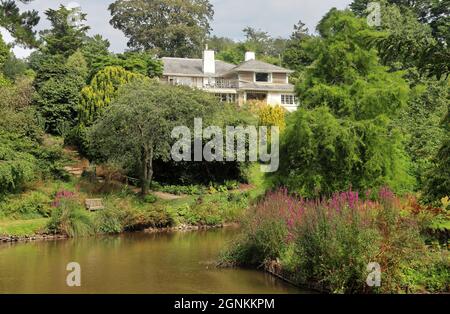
[(181, 263)]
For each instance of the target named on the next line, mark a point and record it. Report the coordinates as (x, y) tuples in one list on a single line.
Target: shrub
[(150, 198), (272, 116), (70, 219), (108, 221), (26, 206), (331, 241)]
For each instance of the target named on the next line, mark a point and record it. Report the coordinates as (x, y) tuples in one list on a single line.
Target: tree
[(169, 27), (58, 84), (421, 122), (102, 90), (136, 128), (437, 185), (296, 57), (19, 24), (63, 37), (343, 136), (4, 52), (95, 48), (416, 33), (137, 62)]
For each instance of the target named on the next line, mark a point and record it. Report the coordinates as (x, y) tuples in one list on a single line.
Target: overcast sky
[(231, 16)]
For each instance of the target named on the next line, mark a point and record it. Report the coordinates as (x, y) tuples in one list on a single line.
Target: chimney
[(250, 55), (209, 61)]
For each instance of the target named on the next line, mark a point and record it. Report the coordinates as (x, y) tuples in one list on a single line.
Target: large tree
[(64, 37), (343, 136), (136, 128), (176, 28)]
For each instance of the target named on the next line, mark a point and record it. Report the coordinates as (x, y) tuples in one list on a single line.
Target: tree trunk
[(147, 170), (144, 173)]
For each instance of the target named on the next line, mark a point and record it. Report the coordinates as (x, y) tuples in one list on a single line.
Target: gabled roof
[(192, 67), (259, 66)]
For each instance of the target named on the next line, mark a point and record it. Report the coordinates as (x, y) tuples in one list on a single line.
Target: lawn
[(22, 227)]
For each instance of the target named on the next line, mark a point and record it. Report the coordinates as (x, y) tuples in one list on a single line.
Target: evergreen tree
[(343, 136)]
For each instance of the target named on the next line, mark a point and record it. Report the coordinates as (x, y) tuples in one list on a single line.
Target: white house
[(250, 80)]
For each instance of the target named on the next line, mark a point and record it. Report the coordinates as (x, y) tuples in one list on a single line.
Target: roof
[(267, 87), (192, 67), (255, 65)]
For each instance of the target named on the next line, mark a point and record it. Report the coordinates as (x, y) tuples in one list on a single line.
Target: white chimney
[(209, 61), (250, 55)]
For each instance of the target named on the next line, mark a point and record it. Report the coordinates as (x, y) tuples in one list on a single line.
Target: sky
[(277, 17)]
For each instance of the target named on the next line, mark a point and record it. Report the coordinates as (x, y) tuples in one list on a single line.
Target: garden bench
[(94, 204)]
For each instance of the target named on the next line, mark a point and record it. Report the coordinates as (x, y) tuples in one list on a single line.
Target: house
[(252, 80)]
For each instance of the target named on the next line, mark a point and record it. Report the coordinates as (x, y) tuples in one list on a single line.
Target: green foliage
[(108, 221), (136, 128), (19, 24), (142, 63), (175, 29), (26, 206), (63, 38), (4, 52), (14, 68), (320, 154), (58, 85), (95, 48), (70, 219), (330, 242), (273, 116), (295, 56), (420, 121), (437, 183), (102, 90), (17, 165), (150, 199), (345, 136), (416, 34), (77, 64)]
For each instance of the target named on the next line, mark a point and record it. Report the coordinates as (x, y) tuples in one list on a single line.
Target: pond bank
[(180, 228)]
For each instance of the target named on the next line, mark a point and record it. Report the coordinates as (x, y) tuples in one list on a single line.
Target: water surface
[(132, 263)]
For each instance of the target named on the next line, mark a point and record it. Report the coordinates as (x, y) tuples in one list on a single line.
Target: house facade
[(252, 80)]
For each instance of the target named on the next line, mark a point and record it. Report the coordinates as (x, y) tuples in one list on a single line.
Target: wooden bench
[(94, 204)]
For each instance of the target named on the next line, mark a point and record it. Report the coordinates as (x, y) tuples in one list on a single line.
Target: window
[(230, 98), (262, 77), (288, 100)]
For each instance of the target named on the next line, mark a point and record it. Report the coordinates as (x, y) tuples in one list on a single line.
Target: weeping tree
[(344, 136)]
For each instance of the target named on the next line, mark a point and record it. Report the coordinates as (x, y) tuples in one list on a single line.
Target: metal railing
[(223, 83)]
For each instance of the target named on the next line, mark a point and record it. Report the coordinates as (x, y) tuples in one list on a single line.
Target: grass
[(22, 227)]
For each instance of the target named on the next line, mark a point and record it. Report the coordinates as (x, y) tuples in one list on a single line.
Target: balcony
[(222, 84)]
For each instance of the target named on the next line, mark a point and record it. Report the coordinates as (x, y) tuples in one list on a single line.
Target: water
[(132, 263)]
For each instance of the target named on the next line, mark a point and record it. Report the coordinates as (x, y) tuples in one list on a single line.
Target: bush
[(331, 241), (70, 219), (150, 199), (26, 206), (272, 116), (108, 221)]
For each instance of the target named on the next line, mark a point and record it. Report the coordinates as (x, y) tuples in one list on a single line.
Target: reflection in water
[(131, 263)]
